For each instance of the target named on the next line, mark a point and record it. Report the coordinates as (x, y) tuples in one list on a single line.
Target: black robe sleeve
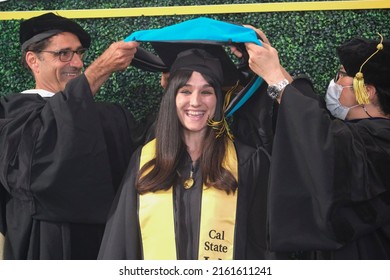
[(2, 190), (328, 187), (253, 122), (251, 241), (121, 238), (2, 210), (70, 175), (122, 135)]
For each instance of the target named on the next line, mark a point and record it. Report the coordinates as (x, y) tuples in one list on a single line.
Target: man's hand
[(117, 57)]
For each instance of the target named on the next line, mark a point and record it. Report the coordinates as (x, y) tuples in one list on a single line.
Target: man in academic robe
[(62, 155), (329, 191)]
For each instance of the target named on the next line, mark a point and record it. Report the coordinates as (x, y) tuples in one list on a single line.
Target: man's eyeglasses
[(340, 74), (67, 55)]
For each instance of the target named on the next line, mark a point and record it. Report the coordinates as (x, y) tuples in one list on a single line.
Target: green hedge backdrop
[(306, 42)]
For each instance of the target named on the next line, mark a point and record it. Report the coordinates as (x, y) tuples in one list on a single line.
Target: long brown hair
[(170, 146)]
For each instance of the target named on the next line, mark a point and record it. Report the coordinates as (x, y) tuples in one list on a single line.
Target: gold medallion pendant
[(188, 183)]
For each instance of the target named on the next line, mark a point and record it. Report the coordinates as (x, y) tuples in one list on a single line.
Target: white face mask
[(333, 103)]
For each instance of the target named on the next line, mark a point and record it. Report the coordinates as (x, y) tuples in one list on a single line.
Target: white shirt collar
[(41, 92)]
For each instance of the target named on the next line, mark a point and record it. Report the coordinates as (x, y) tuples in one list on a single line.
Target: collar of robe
[(218, 217), (41, 92)]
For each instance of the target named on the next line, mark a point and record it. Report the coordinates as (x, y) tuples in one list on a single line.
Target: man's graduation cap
[(368, 61), (44, 26), (201, 33)]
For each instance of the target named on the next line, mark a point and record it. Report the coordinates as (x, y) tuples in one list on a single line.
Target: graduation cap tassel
[(222, 126), (358, 80), (360, 89)]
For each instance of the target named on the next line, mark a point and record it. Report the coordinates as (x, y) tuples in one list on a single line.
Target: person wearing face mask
[(329, 191), (340, 90)]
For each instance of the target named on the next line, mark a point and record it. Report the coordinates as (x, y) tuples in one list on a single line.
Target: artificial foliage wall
[(305, 41)]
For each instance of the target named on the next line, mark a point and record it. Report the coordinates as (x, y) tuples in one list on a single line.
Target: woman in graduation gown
[(192, 192), (330, 181)]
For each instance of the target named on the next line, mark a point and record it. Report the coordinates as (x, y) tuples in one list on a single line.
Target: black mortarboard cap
[(199, 60), (172, 55), (355, 52), (44, 26)]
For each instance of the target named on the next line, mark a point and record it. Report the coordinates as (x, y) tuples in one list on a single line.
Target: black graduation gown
[(61, 160), (122, 236), (330, 182)]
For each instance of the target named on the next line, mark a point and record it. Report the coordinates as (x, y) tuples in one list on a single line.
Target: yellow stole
[(217, 223)]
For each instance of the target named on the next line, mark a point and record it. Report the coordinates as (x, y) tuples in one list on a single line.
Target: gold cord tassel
[(221, 127), (360, 89), (358, 81)]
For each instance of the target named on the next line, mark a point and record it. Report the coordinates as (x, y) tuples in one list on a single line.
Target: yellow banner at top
[(206, 9)]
